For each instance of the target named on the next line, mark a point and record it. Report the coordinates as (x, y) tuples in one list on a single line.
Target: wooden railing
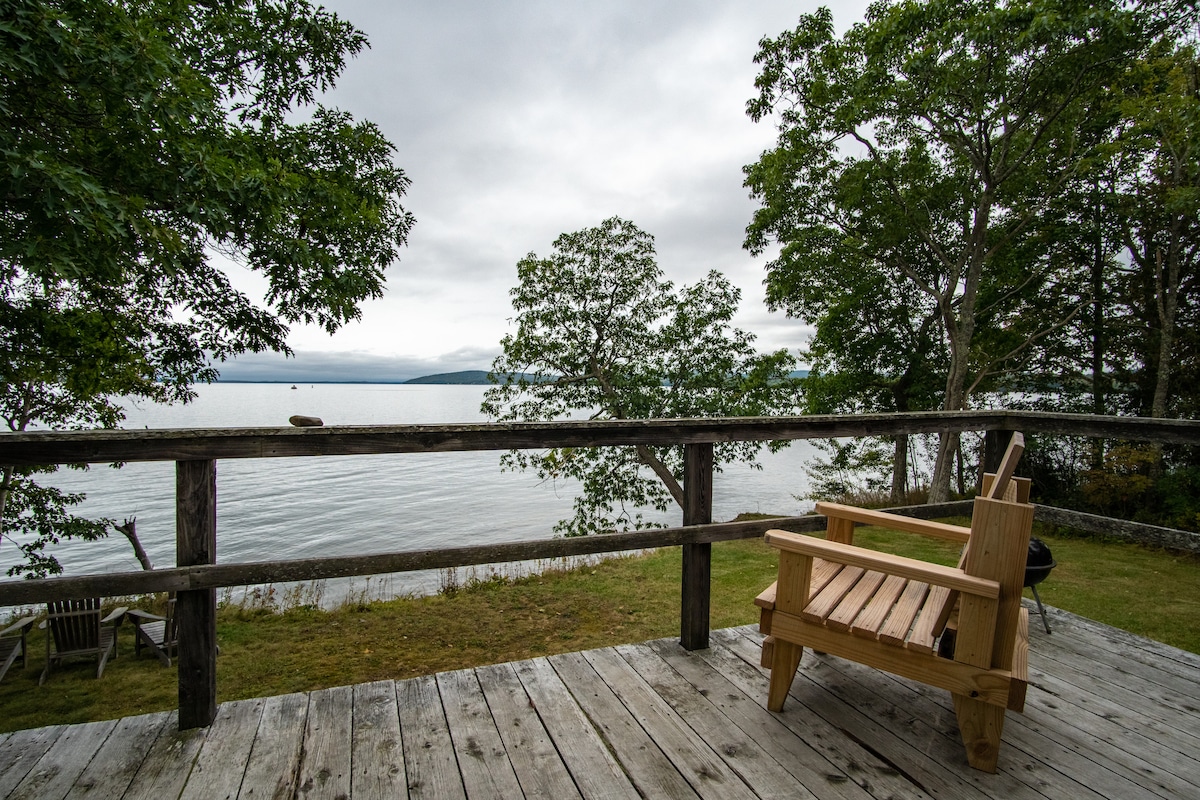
[(197, 576)]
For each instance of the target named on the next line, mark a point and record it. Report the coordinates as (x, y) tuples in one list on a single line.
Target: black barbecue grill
[(1038, 564)]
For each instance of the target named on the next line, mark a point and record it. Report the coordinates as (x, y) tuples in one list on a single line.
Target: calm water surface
[(344, 505)]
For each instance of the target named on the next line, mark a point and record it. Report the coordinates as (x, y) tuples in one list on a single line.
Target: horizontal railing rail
[(197, 576), (218, 576), (187, 444)]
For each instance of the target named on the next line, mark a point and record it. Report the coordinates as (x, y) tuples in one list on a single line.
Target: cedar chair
[(13, 646), (159, 634), (76, 629), (960, 629)]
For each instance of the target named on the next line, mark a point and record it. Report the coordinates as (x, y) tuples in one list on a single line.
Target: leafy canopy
[(606, 336), (931, 145), (146, 150)]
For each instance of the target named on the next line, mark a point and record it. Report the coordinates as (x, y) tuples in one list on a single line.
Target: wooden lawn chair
[(895, 613), (159, 634), (76, 629), (14, 644)]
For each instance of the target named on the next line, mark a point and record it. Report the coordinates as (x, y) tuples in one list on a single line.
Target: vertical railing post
[(994, 445), (196, 609), (697, 558)]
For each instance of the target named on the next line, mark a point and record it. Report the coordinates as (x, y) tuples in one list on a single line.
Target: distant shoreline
[(471, 377), (312, 382)]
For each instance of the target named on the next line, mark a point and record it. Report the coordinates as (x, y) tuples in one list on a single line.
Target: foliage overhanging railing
[(197, 576)]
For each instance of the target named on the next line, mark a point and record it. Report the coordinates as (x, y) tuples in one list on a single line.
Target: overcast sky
[(518, 121)]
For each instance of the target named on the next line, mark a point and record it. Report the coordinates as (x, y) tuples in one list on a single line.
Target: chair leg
[(46, 669), (1041, 608), (102, 658), (785, 660), (980, 725)]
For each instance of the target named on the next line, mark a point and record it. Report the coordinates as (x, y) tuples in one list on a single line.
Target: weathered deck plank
[(21, 751), (377, 749), (429, 758), (592, 766), (655, 720), (691, 755), (537, 764), (1112, 772), (807, 748), (482, 759), (1021, 773), (274, 761), (650, 770), (218, 770), (64, 761), (918, 760), (167, 765), (324, 772), (762, 773), (119, 758)]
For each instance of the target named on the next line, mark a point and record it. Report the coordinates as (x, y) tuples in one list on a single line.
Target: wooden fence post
[(196, 609), (697, 558), (994, 444)]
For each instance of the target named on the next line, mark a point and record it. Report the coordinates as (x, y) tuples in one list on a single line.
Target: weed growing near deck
[(494, 620)]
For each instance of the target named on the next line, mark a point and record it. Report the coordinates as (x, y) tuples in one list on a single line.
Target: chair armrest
[(116, 616), (909, 568), (937, 530), (137, 616), (23, 625)]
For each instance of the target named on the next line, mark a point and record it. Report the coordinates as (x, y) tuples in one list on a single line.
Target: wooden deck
[(1108, 716)]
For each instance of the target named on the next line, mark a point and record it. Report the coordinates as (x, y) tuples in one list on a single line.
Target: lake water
[(303, 507)]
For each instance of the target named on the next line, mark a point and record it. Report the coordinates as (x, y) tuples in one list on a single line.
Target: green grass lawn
[(1152, 593)]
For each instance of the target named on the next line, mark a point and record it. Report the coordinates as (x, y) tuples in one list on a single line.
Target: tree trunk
[(900, 470), (1099, 399), (129, 528), (648, 458), (1167, 281), (958, 320), (5, 488), (943, 468)]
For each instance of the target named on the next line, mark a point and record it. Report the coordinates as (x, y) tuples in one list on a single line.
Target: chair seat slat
[(825, 601), (823, 572), (895, 629), (925, 630), (852, 604), (873, 615)]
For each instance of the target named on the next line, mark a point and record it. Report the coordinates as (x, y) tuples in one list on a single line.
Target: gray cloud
[(342, 367), (521, 121)]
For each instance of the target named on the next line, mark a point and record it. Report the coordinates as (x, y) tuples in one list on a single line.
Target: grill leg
[(1041, 608)]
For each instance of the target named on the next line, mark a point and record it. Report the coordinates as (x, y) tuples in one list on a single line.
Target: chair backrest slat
[(1008, 465), (75, 624)]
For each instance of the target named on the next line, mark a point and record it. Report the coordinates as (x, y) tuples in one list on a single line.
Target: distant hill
[(472, 377), (479, 377), (469, 376)]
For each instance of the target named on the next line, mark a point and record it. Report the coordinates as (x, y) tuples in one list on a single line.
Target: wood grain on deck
[(1107, 715)]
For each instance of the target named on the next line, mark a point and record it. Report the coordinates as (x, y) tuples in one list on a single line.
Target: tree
[(1157, 200), (938, 136), (875, 345), (145, 146), (604, 334)]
